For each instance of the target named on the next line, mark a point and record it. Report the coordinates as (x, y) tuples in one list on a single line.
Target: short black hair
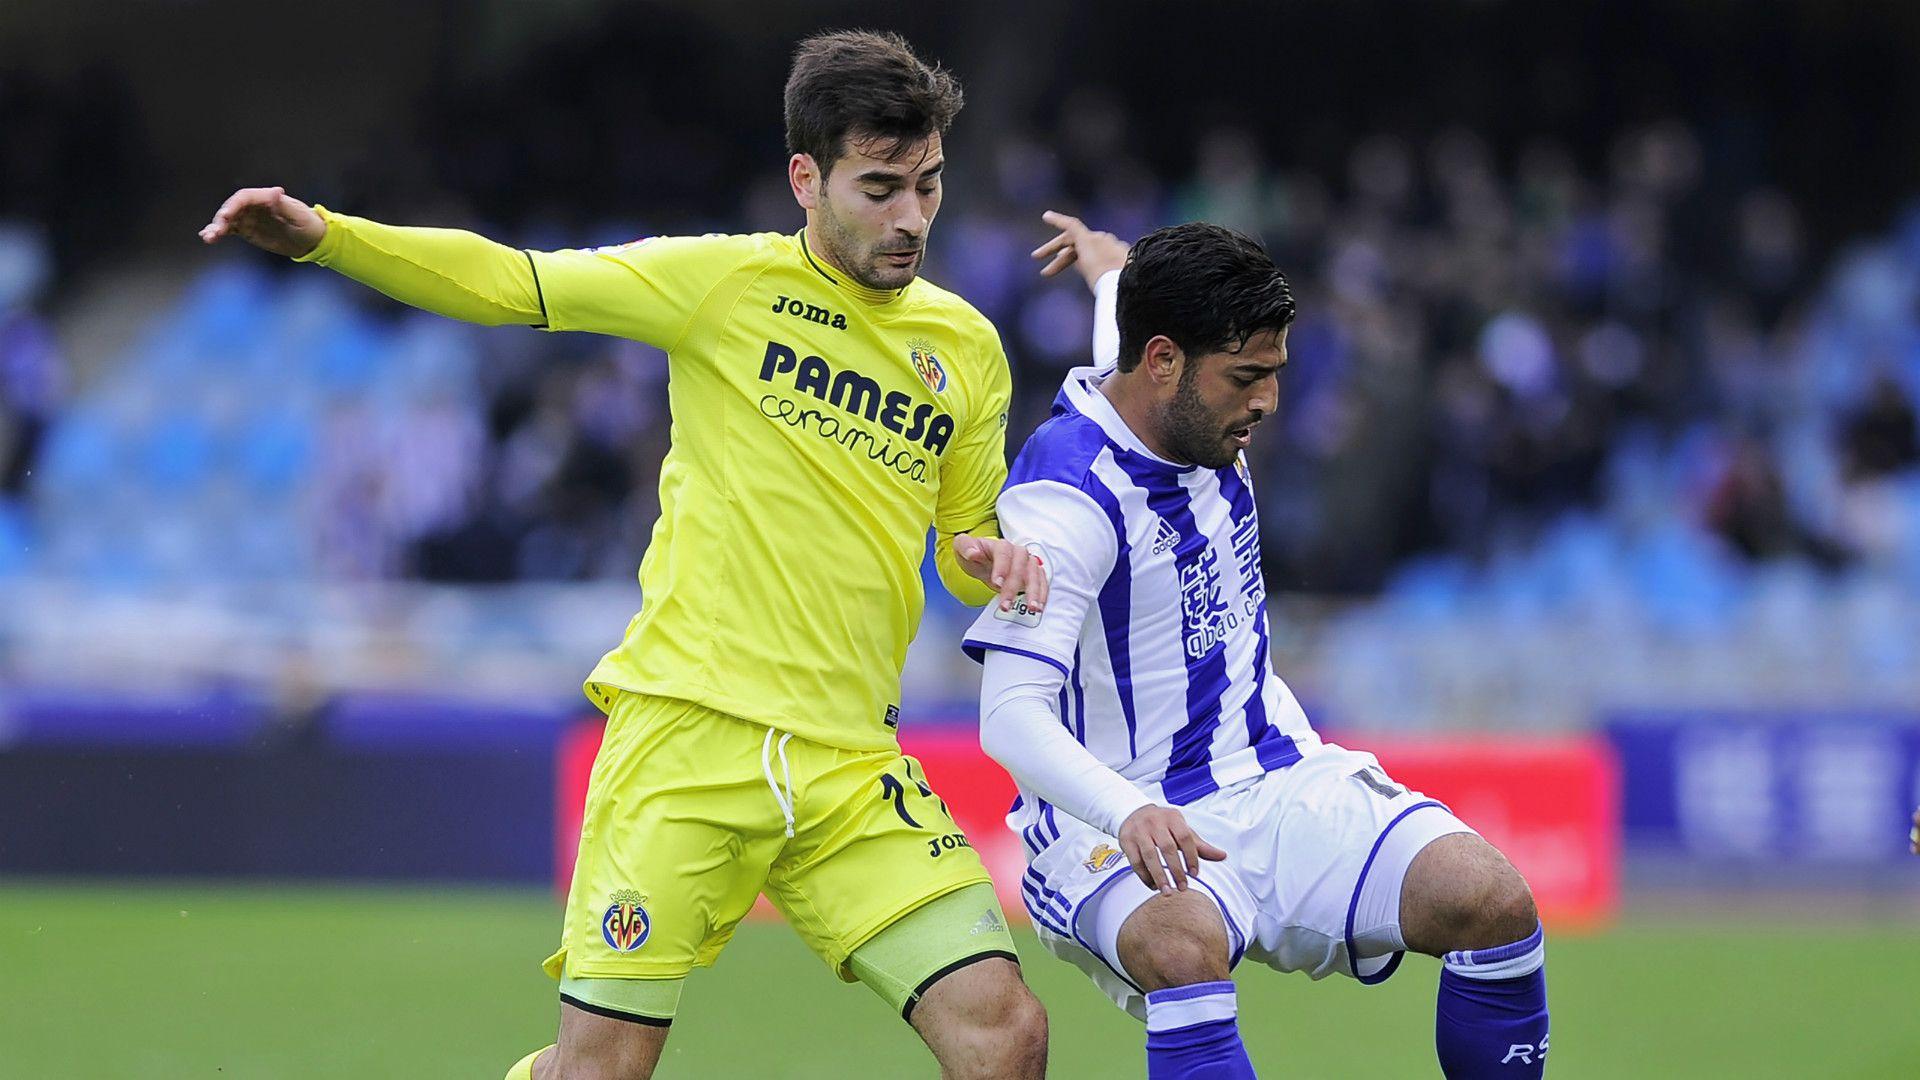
[(867, 84), (1207, 288)]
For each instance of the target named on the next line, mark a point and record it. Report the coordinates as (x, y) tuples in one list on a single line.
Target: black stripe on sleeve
[(906, 1011), (616, 1014), (537, 290)]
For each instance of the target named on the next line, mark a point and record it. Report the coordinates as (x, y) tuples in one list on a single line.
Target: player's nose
[(912, 220), (1266, 395)]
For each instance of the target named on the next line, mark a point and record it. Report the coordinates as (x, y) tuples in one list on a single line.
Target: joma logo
[(787, 305)]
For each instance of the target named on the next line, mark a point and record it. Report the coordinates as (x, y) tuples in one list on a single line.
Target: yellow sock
[(523, 1069)]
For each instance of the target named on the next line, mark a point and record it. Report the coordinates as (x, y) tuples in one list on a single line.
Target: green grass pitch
[(141, 980)]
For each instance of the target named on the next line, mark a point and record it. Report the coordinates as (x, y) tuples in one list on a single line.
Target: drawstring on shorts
[(784, 799)]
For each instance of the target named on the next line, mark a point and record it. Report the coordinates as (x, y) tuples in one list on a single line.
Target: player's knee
[(1511, 913), (983, 1003), (1008, 1039), (1501, 911), (1461, 893), (1179, 960), (1025, 1027)]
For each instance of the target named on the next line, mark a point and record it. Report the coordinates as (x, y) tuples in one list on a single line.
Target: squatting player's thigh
[(679, 831), (1340, 834), (873, 842)]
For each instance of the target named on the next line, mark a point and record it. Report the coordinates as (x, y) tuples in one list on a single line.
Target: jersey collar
[(1081, 393), (875, 297)]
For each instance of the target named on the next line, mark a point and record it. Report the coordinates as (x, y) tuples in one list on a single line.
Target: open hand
[(1094, 253), (1163, 848), (1005, 565), (269, 219)]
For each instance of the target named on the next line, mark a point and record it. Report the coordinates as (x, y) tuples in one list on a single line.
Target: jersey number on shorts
[(891, 788), (1377, 780)]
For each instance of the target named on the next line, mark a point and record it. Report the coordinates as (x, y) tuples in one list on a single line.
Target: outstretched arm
[(269, 219), (458, 274)]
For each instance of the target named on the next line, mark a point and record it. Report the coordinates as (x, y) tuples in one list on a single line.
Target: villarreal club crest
[(625, 925), (928, 365)]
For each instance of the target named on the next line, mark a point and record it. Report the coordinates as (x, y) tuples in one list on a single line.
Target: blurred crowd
[(1500, 359)]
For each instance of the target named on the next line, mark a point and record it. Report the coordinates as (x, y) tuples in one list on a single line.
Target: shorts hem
[(563, 964), (616, 1014), (1384, 971), (1073, 925), (600, 971), (844, 948)]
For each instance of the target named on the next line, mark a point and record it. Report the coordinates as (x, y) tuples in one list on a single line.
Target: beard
[(1191, 430), (858, 260)]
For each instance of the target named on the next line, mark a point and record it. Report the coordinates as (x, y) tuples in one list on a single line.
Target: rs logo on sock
[(1524, 1053)]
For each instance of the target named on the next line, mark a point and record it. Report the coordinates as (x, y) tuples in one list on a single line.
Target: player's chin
[(1224, 454), (893, 272)]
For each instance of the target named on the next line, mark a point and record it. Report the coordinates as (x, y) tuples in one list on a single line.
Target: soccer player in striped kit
[(1177, 810)]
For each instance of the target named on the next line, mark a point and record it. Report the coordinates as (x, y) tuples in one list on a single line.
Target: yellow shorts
[(684, 829)]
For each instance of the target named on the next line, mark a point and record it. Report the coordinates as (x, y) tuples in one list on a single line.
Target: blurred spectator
[(1883, 435), (30, 366), (1495, 340)]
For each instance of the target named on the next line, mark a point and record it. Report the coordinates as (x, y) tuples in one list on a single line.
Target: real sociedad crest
[(1101, 857), (928, 365), (625, 925)]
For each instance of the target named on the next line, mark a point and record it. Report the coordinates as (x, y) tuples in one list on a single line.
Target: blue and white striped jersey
[(1156, 609)]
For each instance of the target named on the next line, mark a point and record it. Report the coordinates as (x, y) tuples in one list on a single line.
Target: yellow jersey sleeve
[(449, 272), (972, 476), (649, 290)]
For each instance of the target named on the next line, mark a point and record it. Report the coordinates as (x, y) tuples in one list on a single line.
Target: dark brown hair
[(1207, 288), (868, 85)]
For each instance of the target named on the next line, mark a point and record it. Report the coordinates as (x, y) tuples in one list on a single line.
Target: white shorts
[(1316, 854)]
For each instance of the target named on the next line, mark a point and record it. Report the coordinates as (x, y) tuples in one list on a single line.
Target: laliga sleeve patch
[(1021, 614)]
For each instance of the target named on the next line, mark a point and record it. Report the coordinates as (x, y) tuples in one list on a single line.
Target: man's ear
[(804, 177), (1162, 359)]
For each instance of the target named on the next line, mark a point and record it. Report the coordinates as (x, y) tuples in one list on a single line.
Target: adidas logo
[(1164, 538), (990, 923)]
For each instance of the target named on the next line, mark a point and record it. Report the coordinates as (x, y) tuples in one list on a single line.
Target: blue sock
[(1491, 1019), (1193, 1032)]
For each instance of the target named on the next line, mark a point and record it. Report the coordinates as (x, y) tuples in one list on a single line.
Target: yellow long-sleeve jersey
[(819, 429)]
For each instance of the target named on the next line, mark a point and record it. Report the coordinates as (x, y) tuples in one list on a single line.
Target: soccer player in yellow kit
[(828, 408)]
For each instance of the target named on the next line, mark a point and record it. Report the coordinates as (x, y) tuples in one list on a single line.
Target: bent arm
[(972, 475), (965, 588), (1019, 729), (449, 272)]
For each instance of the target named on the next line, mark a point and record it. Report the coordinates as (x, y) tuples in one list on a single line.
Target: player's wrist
[(328, 240), (1125, 810)]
